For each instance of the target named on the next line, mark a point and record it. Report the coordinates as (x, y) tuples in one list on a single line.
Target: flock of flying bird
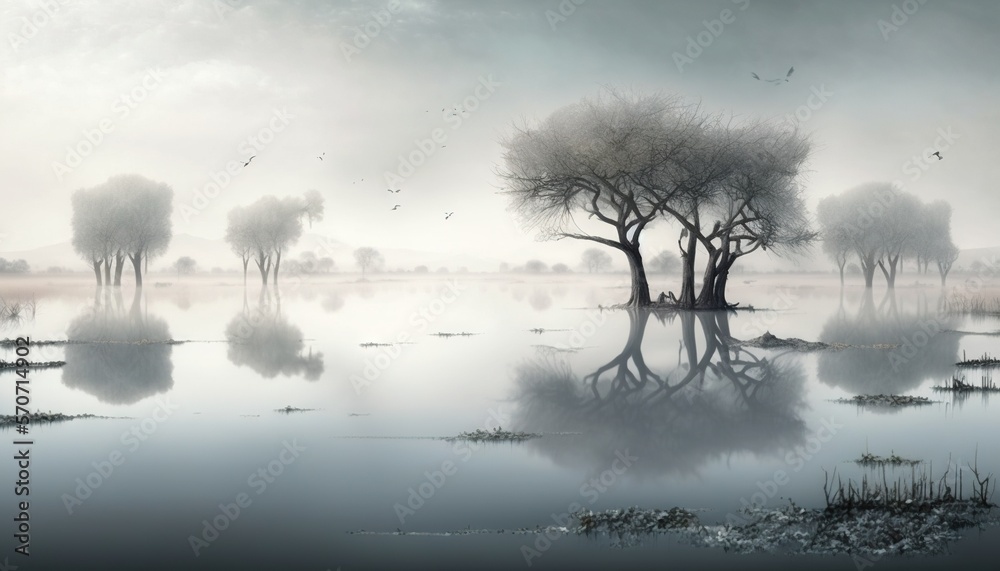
[(447, 215)]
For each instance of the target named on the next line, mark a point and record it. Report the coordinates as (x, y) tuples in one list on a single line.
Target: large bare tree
[(595, 159)]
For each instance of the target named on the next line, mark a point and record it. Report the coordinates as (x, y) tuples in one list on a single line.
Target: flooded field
[(261, 426)]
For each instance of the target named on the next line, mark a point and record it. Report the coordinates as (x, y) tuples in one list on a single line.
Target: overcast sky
[(211, 75)]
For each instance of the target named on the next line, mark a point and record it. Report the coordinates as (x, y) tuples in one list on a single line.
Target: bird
[(777, 81), (391, 190), (938, 155), (395, 207), (447, 215), (248, 160), (320, 157)]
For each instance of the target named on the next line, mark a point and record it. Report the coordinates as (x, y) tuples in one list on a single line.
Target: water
[(692, 419)]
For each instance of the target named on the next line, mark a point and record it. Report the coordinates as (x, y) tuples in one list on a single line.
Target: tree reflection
[(119, 356), (925, 347), (268, 343), (717, 400)]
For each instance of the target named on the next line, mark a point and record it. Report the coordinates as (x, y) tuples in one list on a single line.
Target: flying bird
[(395, 207), (248, 160), (777, 81), (447, 215), (938, 155), (320, 157), (391, 190)]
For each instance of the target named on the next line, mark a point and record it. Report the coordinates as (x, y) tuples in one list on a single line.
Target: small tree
[(560, 268), (596, 261), (535, 266), (367, 258), (185, 265)]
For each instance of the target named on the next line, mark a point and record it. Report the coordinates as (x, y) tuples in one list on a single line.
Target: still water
[(636, 409)]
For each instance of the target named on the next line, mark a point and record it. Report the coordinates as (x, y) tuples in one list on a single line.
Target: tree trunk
[(97, 271), (868, 268), (277, 263), (686, 299), (640, 287), (107, 271), (137, 265), (246, 260), (119, 266), (706, 298), (264, 264), (842, 274)]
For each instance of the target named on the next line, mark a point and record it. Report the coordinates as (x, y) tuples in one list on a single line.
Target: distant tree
[(185, 265), (665, 262), (535, 266), (325, 264), (420, 270), (367, 258), (442, 270), (128, 216), (945, 256), (595, 260), (263, 230), (853, 269), (560, 268), (504, 267), (834, 234), (13, 266)]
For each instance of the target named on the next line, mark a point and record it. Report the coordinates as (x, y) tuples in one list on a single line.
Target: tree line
[(880, 226)]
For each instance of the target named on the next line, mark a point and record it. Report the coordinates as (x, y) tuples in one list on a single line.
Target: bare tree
[(747, 182), (239, 237), (367, 258), (591, 158), (945, 256), (836, 237), (665, 262), (596, 260)]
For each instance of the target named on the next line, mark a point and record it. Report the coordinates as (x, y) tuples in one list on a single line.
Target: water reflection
[(120, 356), (926, 350), (718, 399), (264, 340)]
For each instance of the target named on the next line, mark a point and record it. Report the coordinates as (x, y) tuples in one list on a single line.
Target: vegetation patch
[(497, 435), (886, 400), (893, 459), (10, 420), (986, 384), (12, 365), (462, 334), (985, 361)]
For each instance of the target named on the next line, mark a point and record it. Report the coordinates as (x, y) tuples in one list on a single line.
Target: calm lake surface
[(692, 420)]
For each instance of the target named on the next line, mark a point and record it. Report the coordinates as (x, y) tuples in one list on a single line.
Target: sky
[(181, 91)]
